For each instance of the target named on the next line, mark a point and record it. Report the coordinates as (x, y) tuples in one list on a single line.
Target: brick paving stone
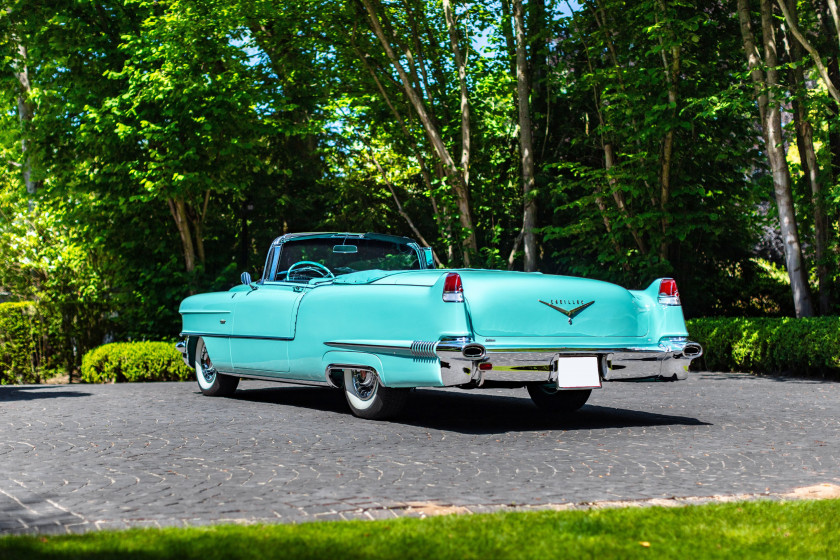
[(86, 457)]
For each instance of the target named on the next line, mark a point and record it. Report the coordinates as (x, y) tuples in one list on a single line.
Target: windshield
[(341, 255)]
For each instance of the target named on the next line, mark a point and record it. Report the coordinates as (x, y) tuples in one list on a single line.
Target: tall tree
[(184, 125), (766, 83), (526, 145), (808, 156), (16, 15), (457, 175)]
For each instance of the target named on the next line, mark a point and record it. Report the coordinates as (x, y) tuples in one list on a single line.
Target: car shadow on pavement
[(476, 413), (32, 392), (730, 376), (472, 412), (316, 398)]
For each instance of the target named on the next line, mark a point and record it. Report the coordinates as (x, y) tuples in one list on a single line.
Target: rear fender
[(666, 320)]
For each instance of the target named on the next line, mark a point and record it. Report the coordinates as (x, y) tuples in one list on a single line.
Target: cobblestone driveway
[(82, 457)]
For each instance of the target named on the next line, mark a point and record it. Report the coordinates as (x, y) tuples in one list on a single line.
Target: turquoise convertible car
[(369, 314)]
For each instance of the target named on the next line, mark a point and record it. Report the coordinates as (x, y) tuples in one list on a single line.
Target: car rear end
[(569, 332)]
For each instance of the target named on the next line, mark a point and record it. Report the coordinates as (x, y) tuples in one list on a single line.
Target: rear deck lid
[(521, 304)]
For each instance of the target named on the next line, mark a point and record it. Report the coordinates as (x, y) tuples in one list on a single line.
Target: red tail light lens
[(668, 292), (452, 288)]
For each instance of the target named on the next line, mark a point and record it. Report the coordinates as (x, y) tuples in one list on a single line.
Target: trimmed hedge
[(122, 362), (803, 347), (18, 343)]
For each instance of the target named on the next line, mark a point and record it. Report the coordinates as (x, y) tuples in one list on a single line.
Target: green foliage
[(756, 530), (808, 347), (30, 342), (122, 362), (49, 262), (612, 219), (257, 118), (18, 343)]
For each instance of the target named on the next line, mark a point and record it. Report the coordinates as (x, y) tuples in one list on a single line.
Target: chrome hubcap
[(207, 369), (364, 383)]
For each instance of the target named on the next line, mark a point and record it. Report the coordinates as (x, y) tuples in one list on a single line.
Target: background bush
[(17, 343), (122, 362), (806, 347), (25, 343)]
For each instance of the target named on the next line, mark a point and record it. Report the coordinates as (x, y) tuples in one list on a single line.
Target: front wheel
[(211, 382), (368, 398), (563, 403)]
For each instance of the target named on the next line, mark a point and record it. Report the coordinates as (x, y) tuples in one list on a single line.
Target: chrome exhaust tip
[(692, 350), (474, 351)]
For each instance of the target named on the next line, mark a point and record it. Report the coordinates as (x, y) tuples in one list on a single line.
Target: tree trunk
[(525, 142), (834, 124), (672, 71), (26, 112), (835, 17), (600, 15), (810, 167), (538, 70), (753, 58), (460, 64), (508, 35), (774, 146), (456, 178), (440, 220), (178, 209)]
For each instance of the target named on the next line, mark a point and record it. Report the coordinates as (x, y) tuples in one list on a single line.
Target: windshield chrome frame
[(277, 247)]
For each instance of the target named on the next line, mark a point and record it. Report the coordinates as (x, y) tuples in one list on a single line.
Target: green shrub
[(122, 362), (806, 347), (18, 343)]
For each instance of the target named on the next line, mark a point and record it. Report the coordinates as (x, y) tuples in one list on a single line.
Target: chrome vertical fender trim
[(182, 348), (458, 358)]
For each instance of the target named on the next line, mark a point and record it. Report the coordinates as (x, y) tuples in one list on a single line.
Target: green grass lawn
[(801, 529)]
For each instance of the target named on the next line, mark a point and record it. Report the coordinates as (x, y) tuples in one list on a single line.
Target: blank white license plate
[(578, 372)]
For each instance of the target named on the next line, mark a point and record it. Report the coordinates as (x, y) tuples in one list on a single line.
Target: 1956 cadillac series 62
[(370, 314)]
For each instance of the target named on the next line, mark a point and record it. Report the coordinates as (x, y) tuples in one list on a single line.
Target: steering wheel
[(322, 270)]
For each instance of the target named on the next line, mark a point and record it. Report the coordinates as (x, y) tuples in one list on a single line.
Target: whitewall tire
[(368, 398), (211, 382)]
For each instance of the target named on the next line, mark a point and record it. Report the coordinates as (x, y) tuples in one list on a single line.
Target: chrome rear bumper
[(461, 362)]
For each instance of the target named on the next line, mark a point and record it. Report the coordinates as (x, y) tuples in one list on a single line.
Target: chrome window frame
[(270, 263), (277, 247)]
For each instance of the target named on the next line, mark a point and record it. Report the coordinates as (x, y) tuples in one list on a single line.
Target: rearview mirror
[(245, 278), (345, 249)]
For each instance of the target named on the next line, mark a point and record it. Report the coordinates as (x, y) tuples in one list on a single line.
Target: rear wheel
[(549, 399), (211, 382), (368, 398)]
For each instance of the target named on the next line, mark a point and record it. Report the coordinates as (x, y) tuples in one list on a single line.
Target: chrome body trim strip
[(373, 348), (260, 377), (216, 335), (207, 312)]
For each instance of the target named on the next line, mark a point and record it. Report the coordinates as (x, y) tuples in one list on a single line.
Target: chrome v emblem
[(570, 314)]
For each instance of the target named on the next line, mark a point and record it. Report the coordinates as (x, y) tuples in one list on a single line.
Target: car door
[(263, 326)]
